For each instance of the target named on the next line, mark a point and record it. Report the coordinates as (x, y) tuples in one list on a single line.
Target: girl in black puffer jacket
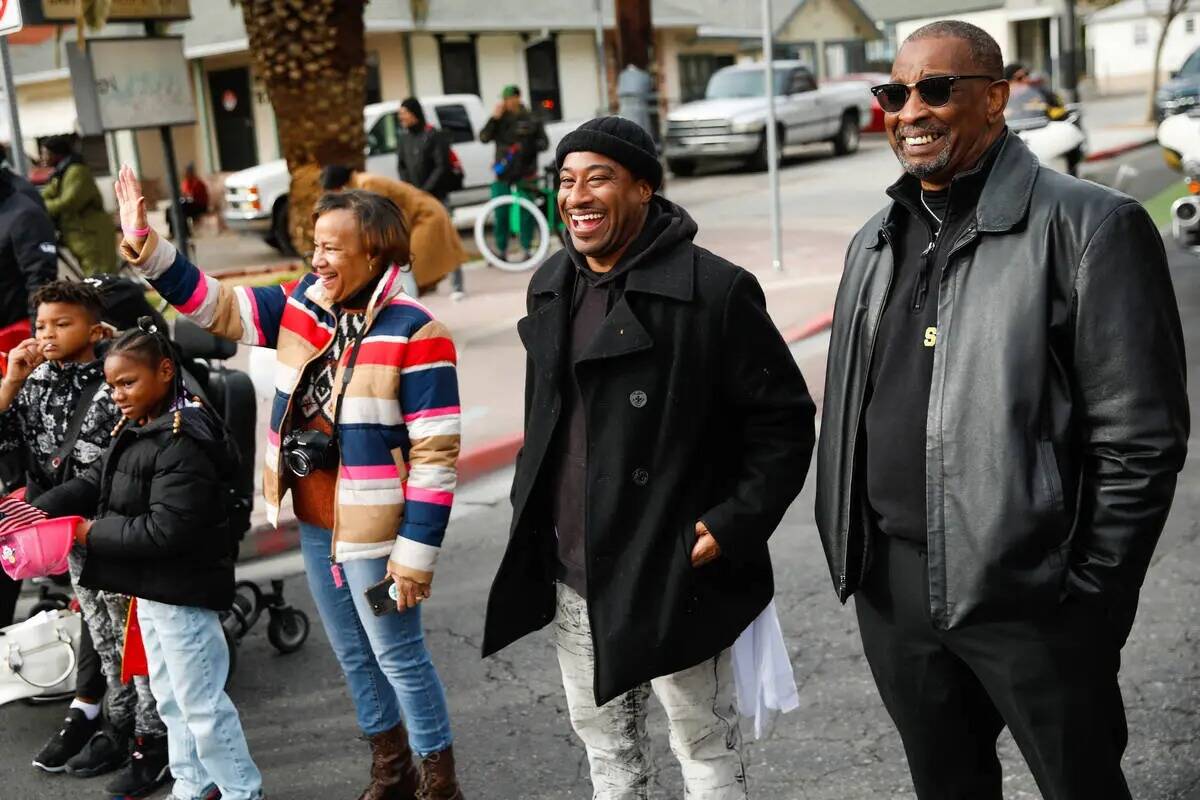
[(160, 532)]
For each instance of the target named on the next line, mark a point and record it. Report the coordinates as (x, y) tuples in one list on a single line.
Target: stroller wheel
[(249, 597), (288, 629)]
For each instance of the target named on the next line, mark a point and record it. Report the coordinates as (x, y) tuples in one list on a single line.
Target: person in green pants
[(519, 137), (74, 203)]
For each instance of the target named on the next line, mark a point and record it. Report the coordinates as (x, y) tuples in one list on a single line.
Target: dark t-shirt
[(927, 226)]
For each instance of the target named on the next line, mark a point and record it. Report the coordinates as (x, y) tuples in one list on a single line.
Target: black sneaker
[(147, 768), (76, 730), (108, 749)]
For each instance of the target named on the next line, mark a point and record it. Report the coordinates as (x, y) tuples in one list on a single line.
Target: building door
[(842, 58), (694, 72), (233, 118), (1034, 47), (541, 66)]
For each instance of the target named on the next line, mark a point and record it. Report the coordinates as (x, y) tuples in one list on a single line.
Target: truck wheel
[(758, 161), (681, 167), (282, 239), (847, 138)]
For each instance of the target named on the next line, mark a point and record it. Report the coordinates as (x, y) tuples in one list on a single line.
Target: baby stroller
[(231, 393)]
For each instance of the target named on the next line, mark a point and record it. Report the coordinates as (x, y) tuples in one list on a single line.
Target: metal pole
[(772, 137), (1067, 38), (17, 149), (601, 61)]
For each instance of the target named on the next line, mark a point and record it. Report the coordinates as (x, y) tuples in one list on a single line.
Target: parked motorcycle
[(1179, 136), (1054, 133)]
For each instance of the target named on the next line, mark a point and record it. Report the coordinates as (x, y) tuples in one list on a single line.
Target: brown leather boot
[(438, 781), (393, 775)]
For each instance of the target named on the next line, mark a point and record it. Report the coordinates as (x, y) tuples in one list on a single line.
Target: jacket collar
[(1006, 195), (386, 290), (668, 274)]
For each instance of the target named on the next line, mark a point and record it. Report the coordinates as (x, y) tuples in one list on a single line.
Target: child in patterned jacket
[(56, 409)]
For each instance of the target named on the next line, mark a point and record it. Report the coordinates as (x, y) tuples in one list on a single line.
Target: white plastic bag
[(38, 656), (762, 671)]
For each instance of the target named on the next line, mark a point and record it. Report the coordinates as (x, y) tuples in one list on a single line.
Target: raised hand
[(23, 360), (132, 206)]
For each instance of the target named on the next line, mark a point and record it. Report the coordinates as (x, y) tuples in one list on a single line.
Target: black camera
[(305, 452)]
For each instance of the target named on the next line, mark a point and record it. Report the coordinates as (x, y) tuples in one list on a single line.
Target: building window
[(694, 72), (541, 65), (374, 84), (1140, 34), (881, 52), (460, 69)]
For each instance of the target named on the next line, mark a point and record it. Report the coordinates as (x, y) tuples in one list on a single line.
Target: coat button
[(637, 399), (641, 477)]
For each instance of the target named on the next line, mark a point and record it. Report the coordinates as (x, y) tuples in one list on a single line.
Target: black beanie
[(622, 140), (413, 106)]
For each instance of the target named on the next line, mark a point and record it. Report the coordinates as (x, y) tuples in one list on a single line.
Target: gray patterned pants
[(699, 703), (125, 705)]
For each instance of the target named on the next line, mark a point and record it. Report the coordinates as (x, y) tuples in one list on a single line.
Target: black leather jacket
[(1058, 411)]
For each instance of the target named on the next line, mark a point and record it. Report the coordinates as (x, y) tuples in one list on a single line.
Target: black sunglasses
[(935, 92)]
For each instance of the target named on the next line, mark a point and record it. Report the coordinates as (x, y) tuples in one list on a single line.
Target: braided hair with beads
[(151, 344)]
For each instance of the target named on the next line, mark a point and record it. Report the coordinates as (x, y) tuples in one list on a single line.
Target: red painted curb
[(818, 324), (1113, 152), (497, 454)]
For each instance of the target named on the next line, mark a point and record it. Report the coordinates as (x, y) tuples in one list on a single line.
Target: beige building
[(546, 47)]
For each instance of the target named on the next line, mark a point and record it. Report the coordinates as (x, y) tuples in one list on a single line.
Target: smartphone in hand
[(382, 597)]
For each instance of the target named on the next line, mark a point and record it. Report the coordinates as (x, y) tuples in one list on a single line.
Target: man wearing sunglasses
[(1005, 413)]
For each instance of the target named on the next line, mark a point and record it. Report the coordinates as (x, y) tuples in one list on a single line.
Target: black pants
[(10, 590), (90, 683), (1052, 680)]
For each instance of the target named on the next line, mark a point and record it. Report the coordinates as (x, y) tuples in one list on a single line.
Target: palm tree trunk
[(311, 54)]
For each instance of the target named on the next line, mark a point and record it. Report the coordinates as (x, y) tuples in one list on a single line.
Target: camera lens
[(299, 462)]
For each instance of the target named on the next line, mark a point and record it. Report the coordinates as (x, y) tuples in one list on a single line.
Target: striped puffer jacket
[(399, 428)]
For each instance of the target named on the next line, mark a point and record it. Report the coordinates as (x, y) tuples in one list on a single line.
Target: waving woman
[(364, 432)]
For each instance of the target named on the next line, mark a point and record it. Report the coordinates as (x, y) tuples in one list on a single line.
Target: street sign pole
[(772, 137), (17, 146)]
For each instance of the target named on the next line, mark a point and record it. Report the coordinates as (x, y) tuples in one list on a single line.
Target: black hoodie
[(161, 529), (592, 298), (28, 254)]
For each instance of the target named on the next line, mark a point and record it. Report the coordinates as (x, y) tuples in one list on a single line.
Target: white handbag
[(38, 656)]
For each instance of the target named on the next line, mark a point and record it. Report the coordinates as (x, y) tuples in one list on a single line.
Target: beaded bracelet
[(139, 233)]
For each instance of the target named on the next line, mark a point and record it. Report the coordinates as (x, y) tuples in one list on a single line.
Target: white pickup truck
[(256, 198), (730, 122)]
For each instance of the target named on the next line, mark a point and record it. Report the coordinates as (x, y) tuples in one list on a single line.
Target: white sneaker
[(457, 295)]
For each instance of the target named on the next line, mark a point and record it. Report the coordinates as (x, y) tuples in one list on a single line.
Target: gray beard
[(928, 169)]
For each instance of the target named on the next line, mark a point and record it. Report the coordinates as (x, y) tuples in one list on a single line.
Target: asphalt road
[(513, 736)]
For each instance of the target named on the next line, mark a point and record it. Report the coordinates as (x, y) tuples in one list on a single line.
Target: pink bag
[(38, 550)]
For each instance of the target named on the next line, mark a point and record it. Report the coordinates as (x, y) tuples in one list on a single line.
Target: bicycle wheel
[(543, 228)]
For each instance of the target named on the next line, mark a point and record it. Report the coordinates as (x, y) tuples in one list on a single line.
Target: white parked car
[(256, 198), (730, 122)]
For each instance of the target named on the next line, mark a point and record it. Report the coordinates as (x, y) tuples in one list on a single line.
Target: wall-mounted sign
[(10, 17), (123, 84), (68, 11)]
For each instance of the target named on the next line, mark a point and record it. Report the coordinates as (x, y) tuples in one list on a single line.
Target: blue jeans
[(189, 661), (386, 663)]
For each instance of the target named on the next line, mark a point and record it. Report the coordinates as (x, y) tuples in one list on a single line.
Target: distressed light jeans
[(189, 661), (699, 703)]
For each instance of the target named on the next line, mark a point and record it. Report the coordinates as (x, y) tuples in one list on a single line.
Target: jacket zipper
[(969, 235), (858, 412)]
